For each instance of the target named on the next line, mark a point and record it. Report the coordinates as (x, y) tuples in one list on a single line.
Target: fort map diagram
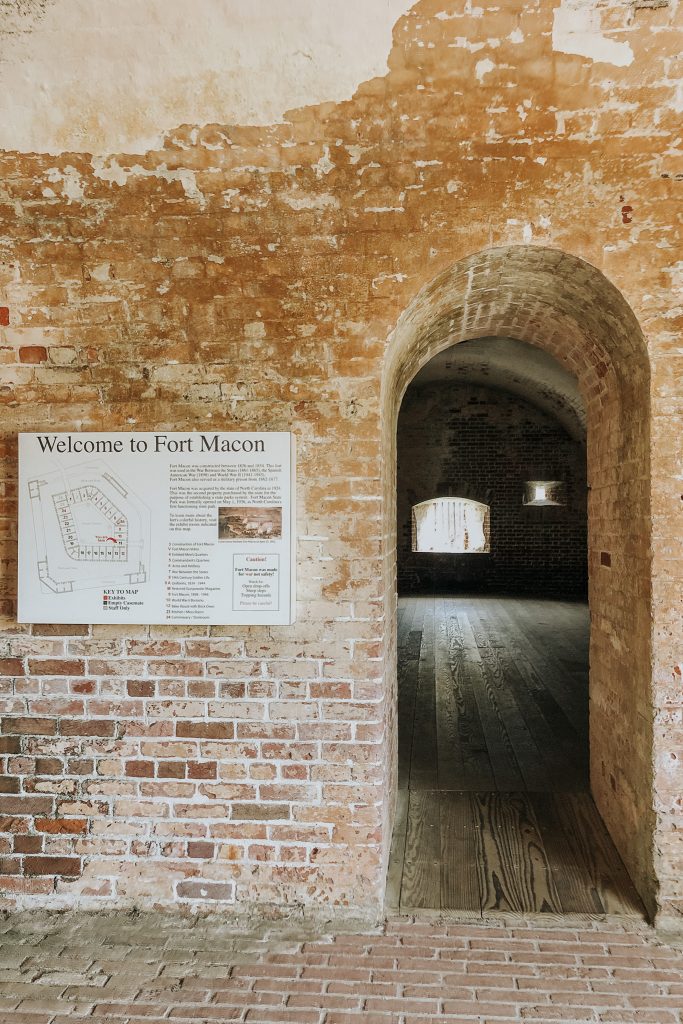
[(91, 530)]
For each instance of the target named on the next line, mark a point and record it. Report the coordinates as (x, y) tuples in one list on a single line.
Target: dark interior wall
[(473, 442)]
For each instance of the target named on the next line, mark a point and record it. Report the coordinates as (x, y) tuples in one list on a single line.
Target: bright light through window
[(458, 525), (544, 492)]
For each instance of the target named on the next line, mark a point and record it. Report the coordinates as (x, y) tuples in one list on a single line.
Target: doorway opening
[(511, 795)]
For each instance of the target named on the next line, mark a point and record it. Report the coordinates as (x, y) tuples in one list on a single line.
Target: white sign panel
[(153, 528)]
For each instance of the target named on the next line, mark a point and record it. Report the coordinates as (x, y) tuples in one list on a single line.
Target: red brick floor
[(127, 969)]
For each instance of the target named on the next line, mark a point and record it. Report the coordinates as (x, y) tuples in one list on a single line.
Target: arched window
[(459, 525)]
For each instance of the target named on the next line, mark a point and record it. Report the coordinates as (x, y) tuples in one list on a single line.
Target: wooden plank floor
[(494, 812)]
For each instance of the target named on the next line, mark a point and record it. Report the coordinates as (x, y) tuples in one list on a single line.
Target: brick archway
[(567, 307)]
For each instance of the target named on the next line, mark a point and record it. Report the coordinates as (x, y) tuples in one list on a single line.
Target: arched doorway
[(563, 305)]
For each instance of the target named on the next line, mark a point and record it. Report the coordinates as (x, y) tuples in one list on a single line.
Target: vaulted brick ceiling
[(513, 366)]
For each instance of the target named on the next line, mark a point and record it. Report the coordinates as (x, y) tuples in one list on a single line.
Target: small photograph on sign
[(240, 523)]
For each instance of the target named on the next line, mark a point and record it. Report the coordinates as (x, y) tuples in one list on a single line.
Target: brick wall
[(169, 766), (471, 442), (296, 276)]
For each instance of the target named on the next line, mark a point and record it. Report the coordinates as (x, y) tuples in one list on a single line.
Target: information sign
[(155, 528)]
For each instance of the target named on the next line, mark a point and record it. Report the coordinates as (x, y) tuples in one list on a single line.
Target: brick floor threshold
[(127, 969)]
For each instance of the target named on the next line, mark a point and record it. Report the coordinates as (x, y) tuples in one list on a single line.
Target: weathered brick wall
[(476, 443), (251, 278)]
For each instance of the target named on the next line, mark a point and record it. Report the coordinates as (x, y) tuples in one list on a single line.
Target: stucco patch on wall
[(577, 28), (103, 78)]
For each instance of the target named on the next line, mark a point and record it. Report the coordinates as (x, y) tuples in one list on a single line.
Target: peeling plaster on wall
[(482, 68), (114, 77), (70, 180), (113, 172), (577, 29), (318, 202)]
